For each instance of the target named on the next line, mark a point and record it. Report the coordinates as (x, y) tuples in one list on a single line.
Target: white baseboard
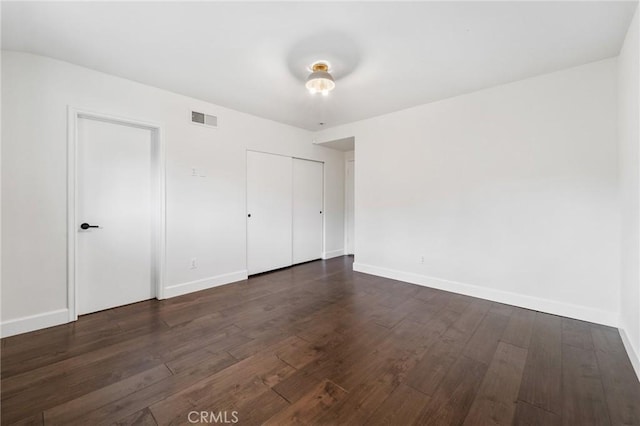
[(332, 254), (538, 304), (203, 284), (34, 322), (634, 356)]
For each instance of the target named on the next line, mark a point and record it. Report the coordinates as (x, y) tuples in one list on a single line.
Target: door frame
[(347, 223), (158, 250)]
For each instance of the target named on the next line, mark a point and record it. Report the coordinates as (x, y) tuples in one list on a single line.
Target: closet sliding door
[(269, 212), (307, 210)]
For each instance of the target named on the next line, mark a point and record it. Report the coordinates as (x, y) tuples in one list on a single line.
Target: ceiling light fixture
[(320, 81)]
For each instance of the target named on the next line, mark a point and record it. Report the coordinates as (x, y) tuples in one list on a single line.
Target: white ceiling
[(385, 56)]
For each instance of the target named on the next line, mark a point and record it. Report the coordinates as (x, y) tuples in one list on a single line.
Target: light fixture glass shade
[(320, 81)]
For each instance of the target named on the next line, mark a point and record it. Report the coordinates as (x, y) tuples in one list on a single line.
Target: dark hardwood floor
[(320, 344)]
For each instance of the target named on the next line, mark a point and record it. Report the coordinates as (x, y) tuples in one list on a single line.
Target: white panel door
[(307, 210), (350, 206), (269, 218), (114, 182)]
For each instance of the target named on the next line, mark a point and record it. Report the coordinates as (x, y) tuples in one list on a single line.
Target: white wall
[(509, 193), (628, 134), (205, 216)]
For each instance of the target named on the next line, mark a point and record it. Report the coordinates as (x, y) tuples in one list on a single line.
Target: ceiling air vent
[(204, 119)]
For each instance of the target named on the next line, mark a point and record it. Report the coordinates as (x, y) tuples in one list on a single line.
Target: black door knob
[(87, 226), (249, 215)]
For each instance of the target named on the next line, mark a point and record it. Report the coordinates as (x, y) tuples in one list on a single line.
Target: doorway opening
[(116, 212), (348, 147)]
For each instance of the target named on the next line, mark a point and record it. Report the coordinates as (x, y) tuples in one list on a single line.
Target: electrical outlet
[(194, 263), (422, 260)]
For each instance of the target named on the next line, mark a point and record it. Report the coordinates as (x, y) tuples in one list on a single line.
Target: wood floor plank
[(519, 327), (621, 386), (542, 377), (482, 345), (59, 339), (395, 357), (325, 324), (149, 395), (299, 352), (402, 407), (434, 365), (412, 336), (469, 319), (84, 374), (76, 382), (357, 405), (422, 311), (583, 394), (42, 360), (141, 418), (151, 348), (349, 360), (67, 412), (310, 407), (256, 344), (174, 408), (529, 415), (258, 410), (495, 402), (33, 420), (193, 340), (606, 339), (319, 344), (502, 309), (576, 333), (452, 400), (243, 380), (458, 302), (296, 385), (399, 297), (426, 294), (224, 302), (387, 317), (439, 358), (212, 355)]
